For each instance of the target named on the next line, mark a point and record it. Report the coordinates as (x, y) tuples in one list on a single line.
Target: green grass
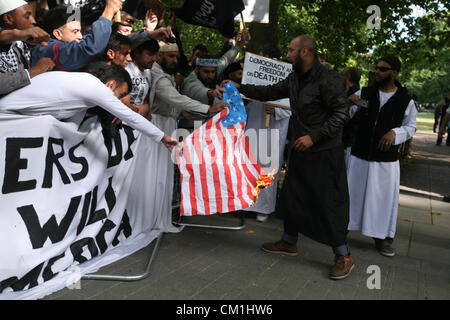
[(425, 121)]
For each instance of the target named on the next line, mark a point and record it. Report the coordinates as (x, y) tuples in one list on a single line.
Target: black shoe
[(446, 198), (387, 251), (439, 141), (384, 247)]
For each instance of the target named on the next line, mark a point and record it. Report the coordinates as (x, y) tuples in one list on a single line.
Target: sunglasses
[(383, 69)]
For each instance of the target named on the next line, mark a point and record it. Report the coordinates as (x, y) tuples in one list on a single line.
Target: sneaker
[(280, 247), (387, 251), (343, 266), (384, 247), (262, 217), (446, 198)]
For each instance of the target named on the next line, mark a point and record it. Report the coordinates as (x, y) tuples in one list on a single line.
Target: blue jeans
[(341, 250)]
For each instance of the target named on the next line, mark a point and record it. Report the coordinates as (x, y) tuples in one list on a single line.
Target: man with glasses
[(386, 118)]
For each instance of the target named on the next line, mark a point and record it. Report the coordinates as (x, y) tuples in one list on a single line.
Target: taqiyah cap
[(167, 47), (9, 5)]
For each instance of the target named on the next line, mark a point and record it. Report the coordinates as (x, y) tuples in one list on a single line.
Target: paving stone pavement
[(208, 264)]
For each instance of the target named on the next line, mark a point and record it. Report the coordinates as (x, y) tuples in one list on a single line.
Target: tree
[(342, 32)]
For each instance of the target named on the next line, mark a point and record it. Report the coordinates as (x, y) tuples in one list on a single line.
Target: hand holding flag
[(218, 170)]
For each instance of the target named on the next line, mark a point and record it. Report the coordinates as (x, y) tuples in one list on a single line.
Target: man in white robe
[(68, 95), (269, 143), (166, 104), (387, 118)]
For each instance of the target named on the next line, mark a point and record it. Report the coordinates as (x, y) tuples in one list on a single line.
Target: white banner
[(263, 71), (65, 202), (255, 11)]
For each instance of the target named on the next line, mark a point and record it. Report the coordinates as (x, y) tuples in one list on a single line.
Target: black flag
[(216, 14)]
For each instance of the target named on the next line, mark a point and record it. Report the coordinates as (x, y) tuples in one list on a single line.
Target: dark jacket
[(318, 103), (374, 123), (72, 56), (348, 135)]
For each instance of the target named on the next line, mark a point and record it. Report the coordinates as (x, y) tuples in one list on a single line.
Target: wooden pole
[(268, 103), (241, 23), (267, 120)]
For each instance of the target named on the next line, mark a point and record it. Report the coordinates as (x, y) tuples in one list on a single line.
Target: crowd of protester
[(160, 89)]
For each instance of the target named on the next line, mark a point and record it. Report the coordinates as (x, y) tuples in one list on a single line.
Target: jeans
[(341, 250)]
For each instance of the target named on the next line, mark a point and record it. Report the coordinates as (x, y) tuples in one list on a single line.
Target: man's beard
[(384, 81), (166, 68), (298, 65), (211, 85)]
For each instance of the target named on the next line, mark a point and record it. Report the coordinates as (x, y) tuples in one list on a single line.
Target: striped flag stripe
[(237, 159), (213, 173), (201, 167), (226, 167)]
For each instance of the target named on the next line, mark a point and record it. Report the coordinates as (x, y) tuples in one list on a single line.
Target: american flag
[(217, 168)]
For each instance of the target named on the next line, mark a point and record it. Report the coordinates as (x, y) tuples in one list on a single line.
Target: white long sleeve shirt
[(67, 96)]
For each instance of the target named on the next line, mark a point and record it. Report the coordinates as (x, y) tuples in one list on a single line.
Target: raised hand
[(151, 20)]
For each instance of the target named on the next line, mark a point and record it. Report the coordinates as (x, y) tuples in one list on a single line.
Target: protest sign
[(259, 70), (70, 200)]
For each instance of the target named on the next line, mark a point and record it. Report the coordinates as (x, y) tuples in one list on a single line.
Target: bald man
[(314, 199)]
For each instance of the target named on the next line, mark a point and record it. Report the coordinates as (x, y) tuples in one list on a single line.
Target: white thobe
[(374, 187), (166, 104), (267, 146), (67, 96)]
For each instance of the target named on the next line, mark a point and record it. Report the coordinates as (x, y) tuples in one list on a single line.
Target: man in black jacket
[(314, 199)]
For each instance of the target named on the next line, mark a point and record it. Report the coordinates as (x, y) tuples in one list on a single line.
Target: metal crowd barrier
[(175, 207), (129, 278)]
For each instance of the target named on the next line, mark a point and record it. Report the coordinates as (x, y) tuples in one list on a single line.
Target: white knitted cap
[(9, 5), (167, 47)]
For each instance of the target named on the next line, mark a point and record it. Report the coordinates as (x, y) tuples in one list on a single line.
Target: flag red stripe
[(227, 173), (235, 164), (190, 171), (215, 169), (250, 176), (202, 168)]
